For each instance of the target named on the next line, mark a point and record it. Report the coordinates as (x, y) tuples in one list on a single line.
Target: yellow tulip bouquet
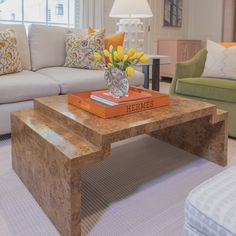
[(124, 62), (119, 66)]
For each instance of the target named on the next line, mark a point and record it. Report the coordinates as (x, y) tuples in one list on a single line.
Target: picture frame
[(173, 13)]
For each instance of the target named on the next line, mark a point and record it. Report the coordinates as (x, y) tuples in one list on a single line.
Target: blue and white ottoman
[(210, 209)]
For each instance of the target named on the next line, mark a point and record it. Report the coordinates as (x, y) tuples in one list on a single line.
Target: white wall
[(160, 32), (205, 20), (202, 19)]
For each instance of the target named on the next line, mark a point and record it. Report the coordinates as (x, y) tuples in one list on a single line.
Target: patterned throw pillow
[(80, 50), (114, 39), (9, 56)]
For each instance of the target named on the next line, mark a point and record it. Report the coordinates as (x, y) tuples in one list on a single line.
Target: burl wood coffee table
[(52, 142)]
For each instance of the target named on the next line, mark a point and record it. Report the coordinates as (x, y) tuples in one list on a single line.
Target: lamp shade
[(131, 9)]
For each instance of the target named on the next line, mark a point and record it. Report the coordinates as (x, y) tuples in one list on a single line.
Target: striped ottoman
[(210, 209)]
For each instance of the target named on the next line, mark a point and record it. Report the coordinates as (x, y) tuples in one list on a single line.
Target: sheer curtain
[(89, 13)]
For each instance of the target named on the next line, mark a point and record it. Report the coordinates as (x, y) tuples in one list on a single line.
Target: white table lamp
[(131, 11)]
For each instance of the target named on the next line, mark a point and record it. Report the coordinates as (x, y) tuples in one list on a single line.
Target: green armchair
[(188, 82)]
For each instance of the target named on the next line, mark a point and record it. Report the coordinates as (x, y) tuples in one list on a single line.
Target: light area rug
[(139, 190)]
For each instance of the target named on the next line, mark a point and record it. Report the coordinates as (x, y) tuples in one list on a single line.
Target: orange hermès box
[(83, 101)]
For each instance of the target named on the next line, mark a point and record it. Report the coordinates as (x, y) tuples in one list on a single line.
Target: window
[(11, 10), (60, 9), (50, 12)]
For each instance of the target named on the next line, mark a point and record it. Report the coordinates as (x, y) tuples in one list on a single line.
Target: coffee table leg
[(206, 137), (52, 178)]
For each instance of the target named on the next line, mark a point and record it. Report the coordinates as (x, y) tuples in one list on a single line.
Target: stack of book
[(103, 96)]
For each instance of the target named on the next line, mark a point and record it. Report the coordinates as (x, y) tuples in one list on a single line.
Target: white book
[(103, 101)]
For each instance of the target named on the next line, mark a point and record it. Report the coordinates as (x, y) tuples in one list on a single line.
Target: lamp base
[(134, 33)]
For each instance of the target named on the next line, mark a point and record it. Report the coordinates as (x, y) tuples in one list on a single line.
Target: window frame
[(46, 22)]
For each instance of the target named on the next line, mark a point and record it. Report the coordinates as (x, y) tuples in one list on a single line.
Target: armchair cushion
[(209, 88)]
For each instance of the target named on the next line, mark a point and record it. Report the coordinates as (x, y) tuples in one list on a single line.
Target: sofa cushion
[(22, 43), (47, 45), (73, 80), (26, 85), (210, 88)]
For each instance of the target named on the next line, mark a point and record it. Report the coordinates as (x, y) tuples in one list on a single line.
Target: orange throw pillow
[(114, 39), (91, 30), (228, 45)]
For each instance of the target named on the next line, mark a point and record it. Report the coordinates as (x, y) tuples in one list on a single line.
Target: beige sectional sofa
[(43, 54)]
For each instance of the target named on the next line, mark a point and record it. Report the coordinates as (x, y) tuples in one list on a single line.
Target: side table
[(155, 61)]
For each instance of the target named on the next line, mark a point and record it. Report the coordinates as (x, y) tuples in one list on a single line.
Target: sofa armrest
[(191, 68)]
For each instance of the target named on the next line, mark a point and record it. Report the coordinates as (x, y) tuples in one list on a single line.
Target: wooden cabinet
[(178, 50)]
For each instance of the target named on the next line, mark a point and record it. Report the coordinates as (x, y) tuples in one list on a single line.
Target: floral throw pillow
[(9, 56), (80, 50)]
